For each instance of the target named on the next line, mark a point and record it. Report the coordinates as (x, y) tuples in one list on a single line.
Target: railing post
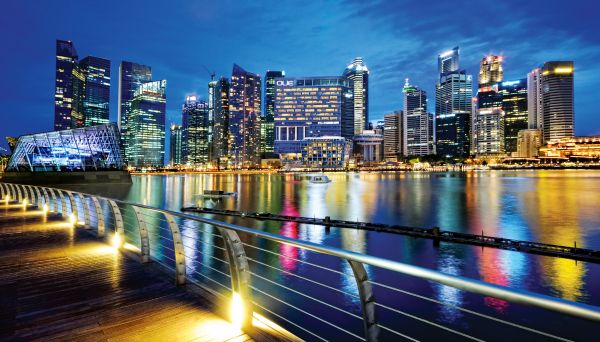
[(19, 192), (2, 191), (63, 202), (178, 248), (74, 209), (15, 194), (367, 300), (46, 197), (240, 272), (54, 199), (144, 241), (99, 217), (118, 221), (29, 193), (38, 201), (86, 211)]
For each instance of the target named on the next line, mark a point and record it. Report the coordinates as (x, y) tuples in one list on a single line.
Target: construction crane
[(211, 73)]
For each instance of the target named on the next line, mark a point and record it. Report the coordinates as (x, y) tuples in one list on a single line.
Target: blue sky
[(397, 39)]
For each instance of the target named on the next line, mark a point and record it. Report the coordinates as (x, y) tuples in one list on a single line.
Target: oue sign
[(285, 83)]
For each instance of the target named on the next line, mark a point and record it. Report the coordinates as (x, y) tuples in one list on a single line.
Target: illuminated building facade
[(145, 138), (244, 118), (309, 107), (453, 114), (81, 149), (176, 145), (358, 74), (212, 103), (448, 61), (572, 147), (392, 135), (97, 90), (195, 132), (557, 100), (267, 124), (131, 77), (221, 135), (417, 131), (534, 100), (325, 152), (66, 60), (528, 143), (490, 132), (368, 147), (490, 71), (514, 105)]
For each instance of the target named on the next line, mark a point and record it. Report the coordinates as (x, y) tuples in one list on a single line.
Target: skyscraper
[(514, 106), (244, 122), (490, 131), (97, 90), (392, 136), (267, 128), (490, 71), (534, 99), (417, 132), (131, 77), (195, 132), (221, 123), (358, 74), (66, 60), (557, 100), (146, 126), (453, 94), (212, 102), (176, 146)]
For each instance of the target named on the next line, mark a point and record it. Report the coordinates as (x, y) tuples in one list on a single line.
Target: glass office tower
[(267, 127), (244, 118), (131, 77), (66, 60), (146, 126), (417, 133), (175, 146), (453, 114), (97, 90), (557, 100), (358, 74), (514, 106), (196, 125), (221, 123)]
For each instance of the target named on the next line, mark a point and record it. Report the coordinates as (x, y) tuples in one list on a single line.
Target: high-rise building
[(392, 136), (267, 124), (97, 90), (78, 97), (534, 99), (490, 71), (145, 129), (212, 103), (131, 77), (528, 143), (490, 132), (176, 145), (244, 122), (195, 132), (309, 107), (514, 105), (358, 74), (448, 61), (558, 100), (417, 132), (66, 60), (221, 123), (453, 98)]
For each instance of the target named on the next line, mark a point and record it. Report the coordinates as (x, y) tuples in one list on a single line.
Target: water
[(556, 207)]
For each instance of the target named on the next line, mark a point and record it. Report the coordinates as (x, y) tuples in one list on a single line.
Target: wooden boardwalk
[(60, 283)]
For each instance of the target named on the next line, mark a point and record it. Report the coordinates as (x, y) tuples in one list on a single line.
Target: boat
[(216, 194), (319, 179)]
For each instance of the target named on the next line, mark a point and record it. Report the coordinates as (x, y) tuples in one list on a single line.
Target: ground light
[(7, 199), (72, 219), (25, 203), (116, 241), (236, 310), (45, 209)]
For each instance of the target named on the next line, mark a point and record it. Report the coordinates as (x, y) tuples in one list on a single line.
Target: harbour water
[(557, 207)]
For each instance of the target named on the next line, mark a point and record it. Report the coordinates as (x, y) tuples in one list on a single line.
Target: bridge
[(76, 266)]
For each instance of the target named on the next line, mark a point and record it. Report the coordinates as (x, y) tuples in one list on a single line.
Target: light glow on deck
[(237, 310)]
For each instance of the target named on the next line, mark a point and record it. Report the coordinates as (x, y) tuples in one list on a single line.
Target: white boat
[(319, 179), (216, 194)]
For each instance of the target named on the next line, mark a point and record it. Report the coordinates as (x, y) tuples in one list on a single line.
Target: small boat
[(216, 194), (319, 179)]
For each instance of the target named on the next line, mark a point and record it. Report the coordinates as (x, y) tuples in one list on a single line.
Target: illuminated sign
[(285, 83), (509, 83), (564, 70)]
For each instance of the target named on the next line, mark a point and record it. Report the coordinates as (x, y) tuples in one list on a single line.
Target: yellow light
[(25, 203), (45, 209), (116, 240), (563, 70), (72, 219), (237, 310), (7, 199)]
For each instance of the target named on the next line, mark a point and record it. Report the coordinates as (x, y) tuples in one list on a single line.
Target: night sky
[(397, 39)]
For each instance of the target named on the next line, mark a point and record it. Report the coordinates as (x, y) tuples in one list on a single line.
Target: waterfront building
[(267, 124), (146, 126), (368, 147), (244, 122), (534, 100), (490, 71), (97, 90), (221, 134), (490, 132), (557, 100), (176, 145), (417, 131), (392, 136), (325, 152), (514, 106), (195, 126), (358, 74), (131, 77), (528, 143), (309, 107), (454, 91), (66, 60), (574, 148)]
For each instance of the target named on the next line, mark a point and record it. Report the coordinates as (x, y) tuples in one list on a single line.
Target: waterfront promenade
[(60, 282)]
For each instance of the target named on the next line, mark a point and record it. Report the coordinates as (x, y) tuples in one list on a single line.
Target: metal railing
[(211, 254)]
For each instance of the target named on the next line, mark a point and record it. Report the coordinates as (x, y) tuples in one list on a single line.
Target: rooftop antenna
[(211, 73)]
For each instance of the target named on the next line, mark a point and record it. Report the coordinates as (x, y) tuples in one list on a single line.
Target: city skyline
[(391, 58)]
